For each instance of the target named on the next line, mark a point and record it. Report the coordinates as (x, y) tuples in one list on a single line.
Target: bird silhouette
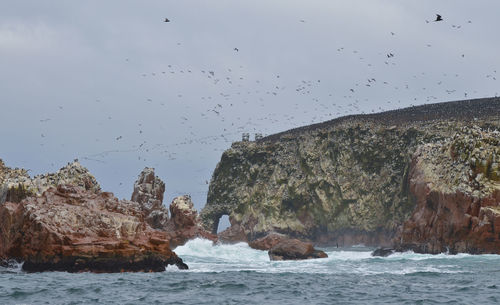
[(438, 18), (167, 20), (236, 49)]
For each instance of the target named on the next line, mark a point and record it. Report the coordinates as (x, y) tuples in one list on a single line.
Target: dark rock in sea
[(383, 252), (8, 263), (294, 249), (72, 229), (267, 242), (355, 180)]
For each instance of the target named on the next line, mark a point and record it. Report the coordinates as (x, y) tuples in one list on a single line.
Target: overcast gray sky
[(110, 83)]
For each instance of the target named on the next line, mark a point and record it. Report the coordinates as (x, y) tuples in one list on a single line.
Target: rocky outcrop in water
[(346, 181), (383, 252), (148, 192), (294, 249), (73, 229), (456, 185), (185, 224), (16, 184)]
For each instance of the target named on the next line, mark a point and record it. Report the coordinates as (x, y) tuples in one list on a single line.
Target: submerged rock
[(72, 229), (383, 252), (294, 249), (267, 242)]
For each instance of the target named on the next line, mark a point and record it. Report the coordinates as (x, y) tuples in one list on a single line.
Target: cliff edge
[(353, 179)]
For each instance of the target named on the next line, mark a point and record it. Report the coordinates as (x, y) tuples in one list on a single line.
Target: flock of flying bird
[(238, 91)]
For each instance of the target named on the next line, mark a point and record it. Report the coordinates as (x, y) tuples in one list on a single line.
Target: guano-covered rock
[(358, 179)]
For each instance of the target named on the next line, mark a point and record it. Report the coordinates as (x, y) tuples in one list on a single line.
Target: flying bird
[(167, 20), (438, 18), (236, 49)]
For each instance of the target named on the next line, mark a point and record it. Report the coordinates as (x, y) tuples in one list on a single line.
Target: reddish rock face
[(267, 242), (294, 249), (70, 229), (148, 192), (184, 223), (444, 220), (232, 235)]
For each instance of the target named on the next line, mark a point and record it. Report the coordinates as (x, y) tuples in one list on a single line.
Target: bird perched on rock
[(167, 20), (438, 18)]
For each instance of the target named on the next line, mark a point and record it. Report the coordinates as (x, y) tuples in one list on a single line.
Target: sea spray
[(239, 274), (202, 256)]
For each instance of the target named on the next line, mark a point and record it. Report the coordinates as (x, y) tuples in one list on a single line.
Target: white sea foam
[(14, 267), (202, 256), (203, 249)]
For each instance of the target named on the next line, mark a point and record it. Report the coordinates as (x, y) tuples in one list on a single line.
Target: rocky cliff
[(184, 223), (456, 185), (345, 181), (73, 229), (16, 184)]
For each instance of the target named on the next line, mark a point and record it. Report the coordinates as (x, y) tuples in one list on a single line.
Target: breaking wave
[(202, 256)]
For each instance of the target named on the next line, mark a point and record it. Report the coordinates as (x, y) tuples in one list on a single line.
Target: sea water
[(237, 274)]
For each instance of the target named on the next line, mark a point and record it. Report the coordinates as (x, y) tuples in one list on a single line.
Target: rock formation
[(383, 252), (73, 229), (16, 184), (268, 241), (347, 181), (184, 223), (148, 192), (456, 185), (294, 249)]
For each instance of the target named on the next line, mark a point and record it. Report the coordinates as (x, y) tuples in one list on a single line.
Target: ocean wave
[(12, 266), (202, 256)]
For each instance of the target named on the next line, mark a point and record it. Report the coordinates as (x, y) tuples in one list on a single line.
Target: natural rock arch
[(211, 215)]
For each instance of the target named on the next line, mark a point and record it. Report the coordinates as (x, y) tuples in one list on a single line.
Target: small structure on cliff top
[(245, 137)]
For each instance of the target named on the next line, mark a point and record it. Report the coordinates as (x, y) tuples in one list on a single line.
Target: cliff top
[(465, 110)]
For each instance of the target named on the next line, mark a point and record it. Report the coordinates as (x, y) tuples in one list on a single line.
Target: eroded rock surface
[(73, 229), (383, 252), (294, 249), (16, 184), (342, 182), (148, 192), (456, 185), (268, 241), (184, 223)]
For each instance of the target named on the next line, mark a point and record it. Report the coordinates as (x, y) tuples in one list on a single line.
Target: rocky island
[(424, 178), (64, 222)]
